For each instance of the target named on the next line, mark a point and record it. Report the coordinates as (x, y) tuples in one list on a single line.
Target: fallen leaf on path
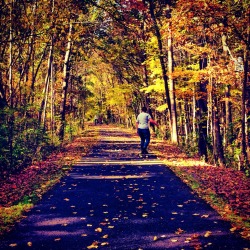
[(93, 245), (179, 231), (104, 244), (173, 240), (205, 216), (99, 230), (13, 245), (233, 229), (195, 236), (29, 244), (207, 234), (57, 239)]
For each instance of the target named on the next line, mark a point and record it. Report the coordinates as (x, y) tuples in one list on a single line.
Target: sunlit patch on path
[(113, 199)]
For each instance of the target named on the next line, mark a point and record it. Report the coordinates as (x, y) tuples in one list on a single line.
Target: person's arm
[(153, 121)]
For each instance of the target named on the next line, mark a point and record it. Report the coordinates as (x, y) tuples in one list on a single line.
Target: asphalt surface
[(114, 199)]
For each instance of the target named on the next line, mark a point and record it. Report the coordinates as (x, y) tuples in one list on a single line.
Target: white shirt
[(142, 120)]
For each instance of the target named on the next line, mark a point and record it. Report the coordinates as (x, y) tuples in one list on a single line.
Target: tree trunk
[(194, 130), (186, 121), (202, 114), (243, 157), (228, 135), (161, 54), (43, 106), (52, 97), (173, 113), (65, 84), (228, 118), (10, 83), (218, 152)]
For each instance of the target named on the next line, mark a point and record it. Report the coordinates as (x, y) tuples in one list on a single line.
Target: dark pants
[(145, 138)]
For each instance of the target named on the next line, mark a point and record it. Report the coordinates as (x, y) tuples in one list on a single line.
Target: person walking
[(142, 125)]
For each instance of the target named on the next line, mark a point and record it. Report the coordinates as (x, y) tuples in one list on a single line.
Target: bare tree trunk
[(202, 114), (161, 55), (194, 130), (65, 84), (35, 73), (10, 83), (228, 118), (173, 113), (52, 97), (43, 106), (186, 121), (243, 157), (228, 135), (218, 152)]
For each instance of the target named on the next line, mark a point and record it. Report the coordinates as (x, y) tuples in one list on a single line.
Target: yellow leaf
[(196, 214), (155, 238), (104, 244), (13, 245), (99, 230), (207, 234), (29, 244), (93, 245), (174, 240), (205, 216), (105, 236), (233, 229), (179, 231)]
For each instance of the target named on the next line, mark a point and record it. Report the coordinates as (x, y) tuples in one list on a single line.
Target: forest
[(63, 62)]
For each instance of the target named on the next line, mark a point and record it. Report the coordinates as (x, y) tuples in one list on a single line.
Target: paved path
[(113, 199)]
